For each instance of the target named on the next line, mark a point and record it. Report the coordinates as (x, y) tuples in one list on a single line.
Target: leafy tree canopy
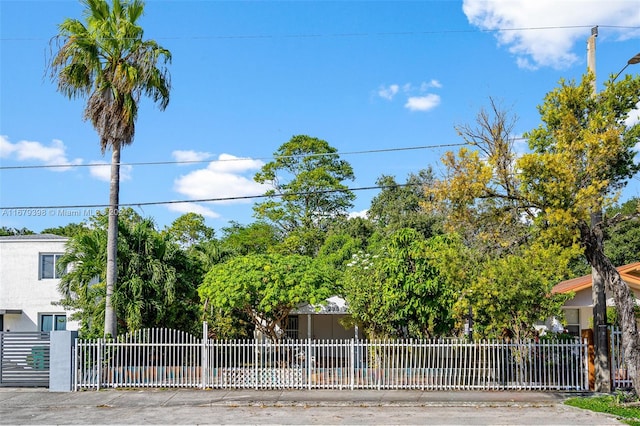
[(266, 287), (397, 291), (512, 293), (581, 156), (68, 230), (189, 229), (308, 191), (400, 206), (255, 238), (156, 286), (6, 231)]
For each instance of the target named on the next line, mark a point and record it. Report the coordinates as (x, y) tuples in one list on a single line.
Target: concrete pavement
[(39, 406)]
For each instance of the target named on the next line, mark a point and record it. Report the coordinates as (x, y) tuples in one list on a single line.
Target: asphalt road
[(38, 406)]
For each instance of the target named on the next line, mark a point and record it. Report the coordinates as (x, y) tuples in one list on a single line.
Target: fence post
[(61, 360), (308, 359), (353, 363), (591, 375), (75, 365), (255, 364), (99, 357), (204, 358)]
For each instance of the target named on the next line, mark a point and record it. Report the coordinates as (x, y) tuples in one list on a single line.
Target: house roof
[(629, 273), (33, 237)]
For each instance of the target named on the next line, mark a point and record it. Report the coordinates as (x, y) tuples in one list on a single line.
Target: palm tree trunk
[(110, 318)]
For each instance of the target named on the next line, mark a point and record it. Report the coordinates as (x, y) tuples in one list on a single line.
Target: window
[(291, 329), (572, 316), (49, 266), (1, 322), (53, 322)]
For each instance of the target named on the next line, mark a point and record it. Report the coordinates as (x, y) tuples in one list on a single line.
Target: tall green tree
[(255, 238), (106, 60), (581, 156), (510, 294), (622, 238), (400, 206), (397, 290), (189, 229), (308, 191)]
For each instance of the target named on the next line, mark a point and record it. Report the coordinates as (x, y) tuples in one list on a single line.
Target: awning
[(10, 311), (333, 305)]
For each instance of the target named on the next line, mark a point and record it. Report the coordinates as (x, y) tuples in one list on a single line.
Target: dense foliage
[(266, 288), (157, 285)]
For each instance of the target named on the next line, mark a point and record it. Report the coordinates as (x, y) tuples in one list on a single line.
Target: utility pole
[(598, 295)]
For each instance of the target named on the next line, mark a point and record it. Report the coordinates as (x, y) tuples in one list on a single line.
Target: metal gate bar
[(24, 359)]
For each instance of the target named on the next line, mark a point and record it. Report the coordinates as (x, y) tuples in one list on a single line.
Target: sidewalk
[(292, 407), (22, 397)]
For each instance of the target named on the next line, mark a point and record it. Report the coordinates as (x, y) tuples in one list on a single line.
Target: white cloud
[(634, 116), (193, 208), (422, 103), (228, 177), (6, 147), (431, 84), (417, 97), (101, 170), (190, 155), (546, 47), (388, 92), (54, 154), (362, 214)]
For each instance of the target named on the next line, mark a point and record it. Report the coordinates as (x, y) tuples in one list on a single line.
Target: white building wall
[(20, 285)]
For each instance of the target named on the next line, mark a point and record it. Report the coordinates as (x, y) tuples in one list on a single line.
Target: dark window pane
[(46, 267), (61, 322), (46, 323)]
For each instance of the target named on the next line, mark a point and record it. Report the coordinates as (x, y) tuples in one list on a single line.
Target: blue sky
[(247, 76)]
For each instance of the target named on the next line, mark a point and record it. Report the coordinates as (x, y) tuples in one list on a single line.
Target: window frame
[(41, 269), (55, 317), (573, 322)]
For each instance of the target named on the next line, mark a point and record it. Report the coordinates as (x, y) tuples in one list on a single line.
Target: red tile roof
[(629, 273)]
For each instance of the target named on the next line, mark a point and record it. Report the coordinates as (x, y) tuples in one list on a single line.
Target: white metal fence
[(620, 378), (168, 358)]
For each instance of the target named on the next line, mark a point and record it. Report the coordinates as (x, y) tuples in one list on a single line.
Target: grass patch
[(620, 405)]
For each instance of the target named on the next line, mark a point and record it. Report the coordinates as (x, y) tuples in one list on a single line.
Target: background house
[(29, 284), (320, 322), (579, 309)]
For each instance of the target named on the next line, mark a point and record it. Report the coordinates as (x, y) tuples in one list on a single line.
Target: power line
[(201, 200), (156, 163), (349, 35)]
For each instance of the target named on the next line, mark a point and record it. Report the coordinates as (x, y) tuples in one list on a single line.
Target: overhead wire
[(182, 162), (201, 200), (362, 34)]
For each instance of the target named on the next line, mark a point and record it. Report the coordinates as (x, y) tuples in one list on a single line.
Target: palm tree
[(106, 60), (156, 278)]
